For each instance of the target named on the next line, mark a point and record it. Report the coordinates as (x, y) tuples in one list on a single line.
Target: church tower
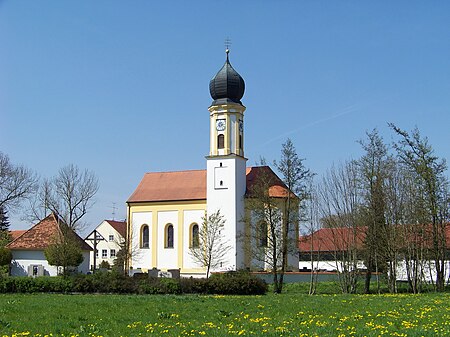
[(226, 164)]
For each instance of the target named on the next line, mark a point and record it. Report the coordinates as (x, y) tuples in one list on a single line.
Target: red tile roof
[(277, 188), (342, 238), (171, 186), (191, 185), (16, 234), (119, 226), (41, 235), (333, 239)]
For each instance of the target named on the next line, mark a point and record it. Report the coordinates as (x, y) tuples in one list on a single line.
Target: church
[(166, 209)]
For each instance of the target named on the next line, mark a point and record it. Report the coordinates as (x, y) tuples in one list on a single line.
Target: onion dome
[(227, 86)]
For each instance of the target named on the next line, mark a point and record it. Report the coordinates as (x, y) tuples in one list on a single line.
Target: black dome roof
[(227, 86)]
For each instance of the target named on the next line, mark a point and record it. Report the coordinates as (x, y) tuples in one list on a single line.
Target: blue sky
[(121, 87)]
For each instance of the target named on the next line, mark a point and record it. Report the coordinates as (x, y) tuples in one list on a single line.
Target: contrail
[(345, 111)]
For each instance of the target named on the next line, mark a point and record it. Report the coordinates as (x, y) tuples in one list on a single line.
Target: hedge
[(233, 283)]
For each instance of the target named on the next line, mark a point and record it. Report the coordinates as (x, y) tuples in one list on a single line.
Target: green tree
[(374, 169), (5, 256), (65, 251), (5, 237), (295, 176), (4, 222)]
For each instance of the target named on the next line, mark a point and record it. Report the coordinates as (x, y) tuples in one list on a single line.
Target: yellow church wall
[(161, 257)]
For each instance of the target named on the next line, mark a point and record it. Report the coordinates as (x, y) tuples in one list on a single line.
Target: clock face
[(241, 125), (220, 124)]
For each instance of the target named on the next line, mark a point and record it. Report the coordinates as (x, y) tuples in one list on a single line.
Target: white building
[(28, 249), (110, 235)]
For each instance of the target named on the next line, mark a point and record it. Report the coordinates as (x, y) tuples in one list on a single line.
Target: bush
[(154, 285), (104, 265), (25, 284), (5, 256), (236, 283), (104, 282), (193, 285)]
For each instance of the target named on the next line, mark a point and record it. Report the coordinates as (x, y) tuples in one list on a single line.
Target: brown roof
[(119, 226), (191, 185), (41, 235), (16, 234)]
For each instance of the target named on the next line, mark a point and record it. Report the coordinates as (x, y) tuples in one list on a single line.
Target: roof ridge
[(196, 170)]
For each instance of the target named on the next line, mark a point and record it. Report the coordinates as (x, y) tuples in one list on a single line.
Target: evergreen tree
[(4, 222)]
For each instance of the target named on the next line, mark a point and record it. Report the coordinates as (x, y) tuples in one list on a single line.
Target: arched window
[(169, 236), (194, 236), (262, 234), (145, 237), (220, 141)]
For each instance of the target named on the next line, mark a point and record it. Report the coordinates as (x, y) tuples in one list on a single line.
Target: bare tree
[(129, 250), (16, 183), (397, 195), (432, 204), (69, 194), (340, 210), (211, 248), (312, 225), (264, 224)]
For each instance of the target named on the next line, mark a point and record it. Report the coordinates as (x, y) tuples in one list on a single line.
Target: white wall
[(105, 230), (190, 217), (85, 266), (167, 258), (141, 257), (24, 258), (229, 199)]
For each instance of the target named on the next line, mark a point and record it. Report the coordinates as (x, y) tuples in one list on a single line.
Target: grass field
[(290, 314)]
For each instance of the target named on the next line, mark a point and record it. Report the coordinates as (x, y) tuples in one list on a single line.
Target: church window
[(220, 141), (240, 142), (262, 234), (145, 237), (169, 236), (195, 242)]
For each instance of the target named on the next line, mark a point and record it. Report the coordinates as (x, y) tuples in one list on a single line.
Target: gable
[(104, 229), (119, 226)]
